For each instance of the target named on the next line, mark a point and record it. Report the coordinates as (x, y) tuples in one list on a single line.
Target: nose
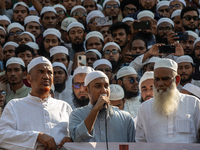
[(81, 88), (137, 51)]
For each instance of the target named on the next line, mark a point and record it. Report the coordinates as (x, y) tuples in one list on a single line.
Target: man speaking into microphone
[(99, 121)]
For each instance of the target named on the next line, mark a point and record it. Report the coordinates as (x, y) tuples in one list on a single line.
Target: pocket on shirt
[(183, 126)]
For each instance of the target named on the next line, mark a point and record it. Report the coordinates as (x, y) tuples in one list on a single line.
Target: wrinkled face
[(25, 38), (147, 89), (80, 15), (60, 14), (105, 31), (147, 4), (2, 37), (94, 43), (26, 57), (105, 69), (14, 34), (112, 9), (188, 45), (129, 9), (14, 74), (91, 57), (118, 103), (8, 52), (69, 4), (92, 25), (120, 37), (2, 97), (111, 53), (89, 5), (138, 47), (175, 5), (34, 28), (45, 2), (20, 13), (59, 75), (49, 20), (76, 35), (197, 50), (164, 11), (131, 86), (4, 24), (61, 57), (50, 41), (177, 24), (185, 70), (190, 20)]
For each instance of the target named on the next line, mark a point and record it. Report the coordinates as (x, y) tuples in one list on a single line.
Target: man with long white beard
[(169, 117)]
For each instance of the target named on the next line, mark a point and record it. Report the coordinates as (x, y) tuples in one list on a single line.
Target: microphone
[(104, 105)]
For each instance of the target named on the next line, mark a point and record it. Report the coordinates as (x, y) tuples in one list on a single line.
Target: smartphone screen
[(142, 25), (167, 49)]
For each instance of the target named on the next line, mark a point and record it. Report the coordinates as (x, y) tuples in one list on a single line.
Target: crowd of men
[(99, 71)]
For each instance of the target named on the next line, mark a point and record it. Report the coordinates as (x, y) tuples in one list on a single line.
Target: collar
[(90, 105), (21, 89), (37, 99)]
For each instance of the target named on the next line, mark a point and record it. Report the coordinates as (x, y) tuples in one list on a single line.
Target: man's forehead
[(103, 66), (165, 24), (184, 64), (80, 10), (75, 29), (162, 71), (57, 68), (147, 83), (9, 47), (131, 76), (100, 80), (20, 7), (111, 47), (111, 2), (49, 14), (14, 65), (42, 66)]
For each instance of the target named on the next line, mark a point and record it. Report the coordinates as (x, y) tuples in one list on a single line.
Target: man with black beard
[(127, 78), (76, 35), (60, 76), (186, 70), (112, 52), (80, 98)]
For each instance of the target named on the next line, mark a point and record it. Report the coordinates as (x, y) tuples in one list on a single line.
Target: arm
[(37, 5)]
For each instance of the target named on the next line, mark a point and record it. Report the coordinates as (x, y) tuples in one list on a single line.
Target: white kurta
[(180, 127), (23, 119), (65, 95)]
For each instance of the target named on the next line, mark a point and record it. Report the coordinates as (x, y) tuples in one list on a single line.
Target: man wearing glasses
[(14, 30), (80, 14), (89, 5), (176, 4), (61, 14), (2, 99), (129, 7), (128, 79)]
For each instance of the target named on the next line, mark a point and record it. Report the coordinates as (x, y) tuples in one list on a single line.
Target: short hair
[(120, 25), (126, 2), (22, 48), (186, 9), (139, 38), (68, 58), (22, 67)]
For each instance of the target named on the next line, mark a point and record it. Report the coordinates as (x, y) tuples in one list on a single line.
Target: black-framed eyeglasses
[(12, 33), (80, 14), (126, 9), (174, 6), (132, 80), (115, 6), (61, 12), (188, 18), (107, 70), (78, 85), (114, 52), (3, 92)]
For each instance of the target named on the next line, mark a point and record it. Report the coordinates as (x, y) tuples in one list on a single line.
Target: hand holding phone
[(142, 25), (167, 49), (182, 35)]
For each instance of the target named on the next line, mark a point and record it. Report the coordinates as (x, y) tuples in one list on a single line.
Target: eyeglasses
[(78, 85), (61, 12), (3, 92), (132, 80), (174, 6), (188, 18), (130, 9), (114, 52), (164, 29), (76, 14), (12, 33), (105, 70), (92, 21), (110, 6)]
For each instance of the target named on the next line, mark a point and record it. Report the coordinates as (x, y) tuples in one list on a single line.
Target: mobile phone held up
[(104, 21), (167, 49), (142, 25), (182, 35), (81, 60)]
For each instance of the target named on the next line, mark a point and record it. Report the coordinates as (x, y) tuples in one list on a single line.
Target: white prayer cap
[(83, 69), (3, 29), (116, 92), (125, 71), (176, 13), (94, 75), (20, 3), (59, 6), (38, 60), (11, 43), (77, 7), (52, 31), (145, 13), (32, 19), (166, 63), (102, 62), (30, 34), (161, 20), (147, 75), (58, 49), (94, 13), (100, 8), (192, 89), (128, 19), (184, 58), (15, 60), (153, 60), (95, 51), (182, 1), (4, 17), (47, 9), (59, 64), (197, 40), (192, 33), (32, 8), (104, 3), (75, 24), (33, 45), (162, 3), (15, 25), (94, 1), (65, 23), (113, 44), (94, 34)]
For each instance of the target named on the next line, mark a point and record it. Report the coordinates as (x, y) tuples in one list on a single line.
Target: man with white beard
[(169, 117)]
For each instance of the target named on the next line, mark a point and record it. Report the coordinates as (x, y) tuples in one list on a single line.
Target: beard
[(79, 102), (166, 102), (78, 47), (145, 35), (161, 39), (115, 65), (188, 79), (153, 9), (128, 94), (59, 86), (188, 28)]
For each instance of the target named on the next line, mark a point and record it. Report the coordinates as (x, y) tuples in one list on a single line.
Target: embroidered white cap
[(48, 9), (33, 45), (4, 17), (20, 3), (125, 71), (11, 43), (15, 25), (77, 7), (52, 31), (3, 29), (65, 23), (145, 13), (182, 1), (15, 60), (32, 19), (184, 58), (30, 34), (58, 49), (128, 19), (75, 24), (192, 89), (83, 69), (94, 34), (197, 40), (59, 6), (147, 75), (116, 92), (104, 3), (59, 64), (161, 20), (176, 13), (192, 33), (162, 3), (94, 51), (166, 63), (94, 75), (102, 62), (94, 13), (113, 44)]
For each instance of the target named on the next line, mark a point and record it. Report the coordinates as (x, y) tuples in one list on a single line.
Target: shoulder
[(184, 97)]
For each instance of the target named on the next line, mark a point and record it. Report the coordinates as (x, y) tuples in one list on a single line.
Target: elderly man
[(98, 121), (169, 117), (40, 121)]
